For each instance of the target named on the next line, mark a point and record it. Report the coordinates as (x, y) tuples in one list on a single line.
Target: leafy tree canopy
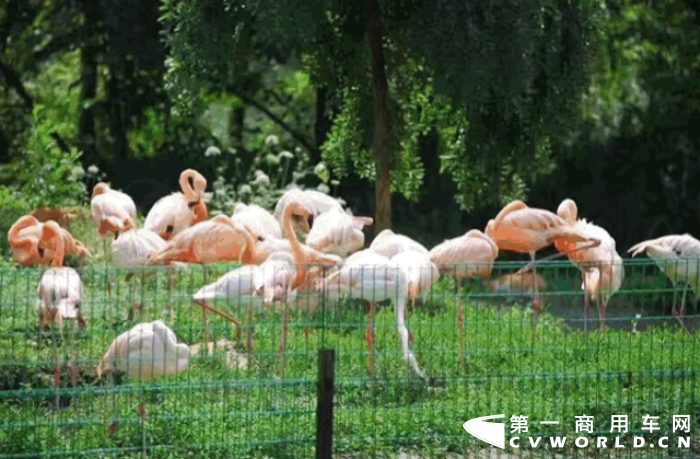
[(496, 79)]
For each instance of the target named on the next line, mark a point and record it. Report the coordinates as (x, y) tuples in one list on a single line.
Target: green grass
[(215, 411), (220, 411)]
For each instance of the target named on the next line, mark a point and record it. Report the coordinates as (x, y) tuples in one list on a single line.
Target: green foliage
[(645, 69), (50, 176), (260, 180), (514, 73)]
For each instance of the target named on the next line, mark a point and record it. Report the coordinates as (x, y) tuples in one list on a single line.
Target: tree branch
[(13, 80), (58, 44), (60, 142), (253, 103)]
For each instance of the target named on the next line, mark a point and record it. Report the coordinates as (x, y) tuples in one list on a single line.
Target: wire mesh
[(243, 394)]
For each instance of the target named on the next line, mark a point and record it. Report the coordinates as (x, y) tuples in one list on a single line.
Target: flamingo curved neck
[(297, 250), (511, 207), (250, 246), (24, 222), (188, 189), (54, 233)]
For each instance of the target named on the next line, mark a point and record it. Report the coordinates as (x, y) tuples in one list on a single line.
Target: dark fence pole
[(324, 407)]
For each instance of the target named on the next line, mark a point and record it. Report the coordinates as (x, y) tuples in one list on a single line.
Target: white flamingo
[(60, 293), (258, 221), (134, 245), (337, 232), (388, 243), (373, 277), (421, 273), (468, 256), (601, 266), (148, 351), (276, 279), (678, 257), (110, 210), (172, 214), (318, 201)]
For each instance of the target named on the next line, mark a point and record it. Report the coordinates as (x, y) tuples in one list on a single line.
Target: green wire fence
[(238, 396)]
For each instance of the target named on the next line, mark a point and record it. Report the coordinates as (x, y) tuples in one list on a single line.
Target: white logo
[(493, 433)]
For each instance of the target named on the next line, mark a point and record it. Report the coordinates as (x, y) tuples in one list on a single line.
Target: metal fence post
[(324, 407)]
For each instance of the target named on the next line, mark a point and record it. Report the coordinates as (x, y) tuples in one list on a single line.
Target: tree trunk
[(380, 148), (322, 125), (88, 80), (236, 126), (117, 126)]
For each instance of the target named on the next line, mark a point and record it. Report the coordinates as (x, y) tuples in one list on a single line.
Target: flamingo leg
[(206, 306), (370, 338), (57, 370), (142, 410), (403, 333), (109, 282), (114, 426), (283, 340), (71, 365), (585, 306), (172, 279), (460, 321), (249, 338), (536, 301), (602, 311), (205, 322), (679, 314)]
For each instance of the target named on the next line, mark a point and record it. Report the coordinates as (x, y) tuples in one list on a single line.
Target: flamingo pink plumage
[(601, 267), (174, 213), (24, 237)]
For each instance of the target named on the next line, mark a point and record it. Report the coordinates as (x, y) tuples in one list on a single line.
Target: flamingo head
[(199, 211), (568, 211), (99, 189)]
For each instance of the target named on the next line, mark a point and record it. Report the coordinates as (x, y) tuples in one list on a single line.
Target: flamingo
[(420, 271), (514, 283), (110, 210), (148, 351), (63, 216), (217, 240), (524, 229), (277, 278), (673, 255), (601, 267), (388, 243), (174, 213), (59, 295), (373, 277), (24, 237), (475, 249), (319, 202), (134, 245), (258, 221), (337, 232)]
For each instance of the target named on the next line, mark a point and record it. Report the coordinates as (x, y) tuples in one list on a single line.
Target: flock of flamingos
[(330, 262)]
